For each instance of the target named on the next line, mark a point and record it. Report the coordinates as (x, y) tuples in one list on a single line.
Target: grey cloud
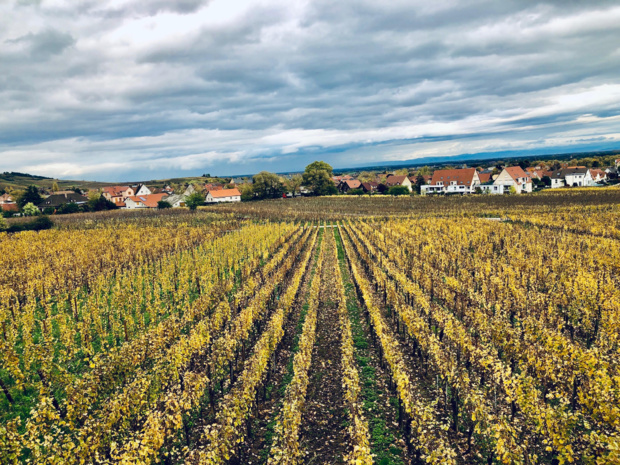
[(44, 44), (361, 70)]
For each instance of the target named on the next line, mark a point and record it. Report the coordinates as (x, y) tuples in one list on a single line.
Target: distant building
[(347, 185), (141, 189), (461, 181), (118, 194), (370, 186), (514, 176), (572, 176), (223, 195), (403, 180), (56, 200), (144, 201)]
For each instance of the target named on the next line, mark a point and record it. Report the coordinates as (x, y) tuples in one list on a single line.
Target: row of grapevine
[(551, 414), (286, 448), (218, 440), (428, 431)]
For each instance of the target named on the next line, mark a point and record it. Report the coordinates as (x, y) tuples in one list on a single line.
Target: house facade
[(458, 181), (577, 176), (514, 176), (223, 195), (141, 189)]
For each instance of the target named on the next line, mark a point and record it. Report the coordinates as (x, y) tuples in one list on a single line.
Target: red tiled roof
[(225, 193), (517, 172), (484, 177), (463, 176), (115, 191), (149, 200), (352, 184), (395, 180)]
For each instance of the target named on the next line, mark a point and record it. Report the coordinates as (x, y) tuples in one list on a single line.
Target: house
[(572, 176), (394, 180), (144, 201), (223, 195), (463, 181), (370, 187), (191, 189), (577, 176), (118, 194), (514, 176), (347, 185), (598, 175), (176, 200), (140, 190), (56, 200)]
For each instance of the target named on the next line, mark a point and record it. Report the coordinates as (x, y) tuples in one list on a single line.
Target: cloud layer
[(121, 89)]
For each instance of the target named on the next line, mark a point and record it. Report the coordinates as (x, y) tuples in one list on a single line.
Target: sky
[(115, 90)]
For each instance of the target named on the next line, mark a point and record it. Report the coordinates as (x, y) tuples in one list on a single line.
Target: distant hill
[(19, 181)]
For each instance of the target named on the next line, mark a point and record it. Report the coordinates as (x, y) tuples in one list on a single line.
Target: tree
[(55, 187), (398, 190), (163, 204), (247, 192), (546, 181), (355, 192), (195, 200), (266, 185), (419, 182), (30, 209), (318, 178), (512, 190), (97, 202), (524, 164), (67, 208), (402, 172), (293, 184), (366, 176), (3, 224), (30, 195), (424, 171)]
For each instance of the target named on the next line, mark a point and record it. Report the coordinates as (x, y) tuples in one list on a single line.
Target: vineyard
[(352, 331)]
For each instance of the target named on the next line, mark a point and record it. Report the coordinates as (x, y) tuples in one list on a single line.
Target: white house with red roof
[(144, 201), (458, 181), (223, 195), (514, 176), (396, 180)]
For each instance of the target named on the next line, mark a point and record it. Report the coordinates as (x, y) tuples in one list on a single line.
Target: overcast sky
[(142, 89)]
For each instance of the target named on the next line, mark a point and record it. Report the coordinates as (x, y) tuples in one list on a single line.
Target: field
[(480, 330)]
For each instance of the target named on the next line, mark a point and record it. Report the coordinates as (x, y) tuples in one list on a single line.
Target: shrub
[(398, 190)]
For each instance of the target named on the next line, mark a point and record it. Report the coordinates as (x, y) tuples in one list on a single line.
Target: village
[(495, 180)]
